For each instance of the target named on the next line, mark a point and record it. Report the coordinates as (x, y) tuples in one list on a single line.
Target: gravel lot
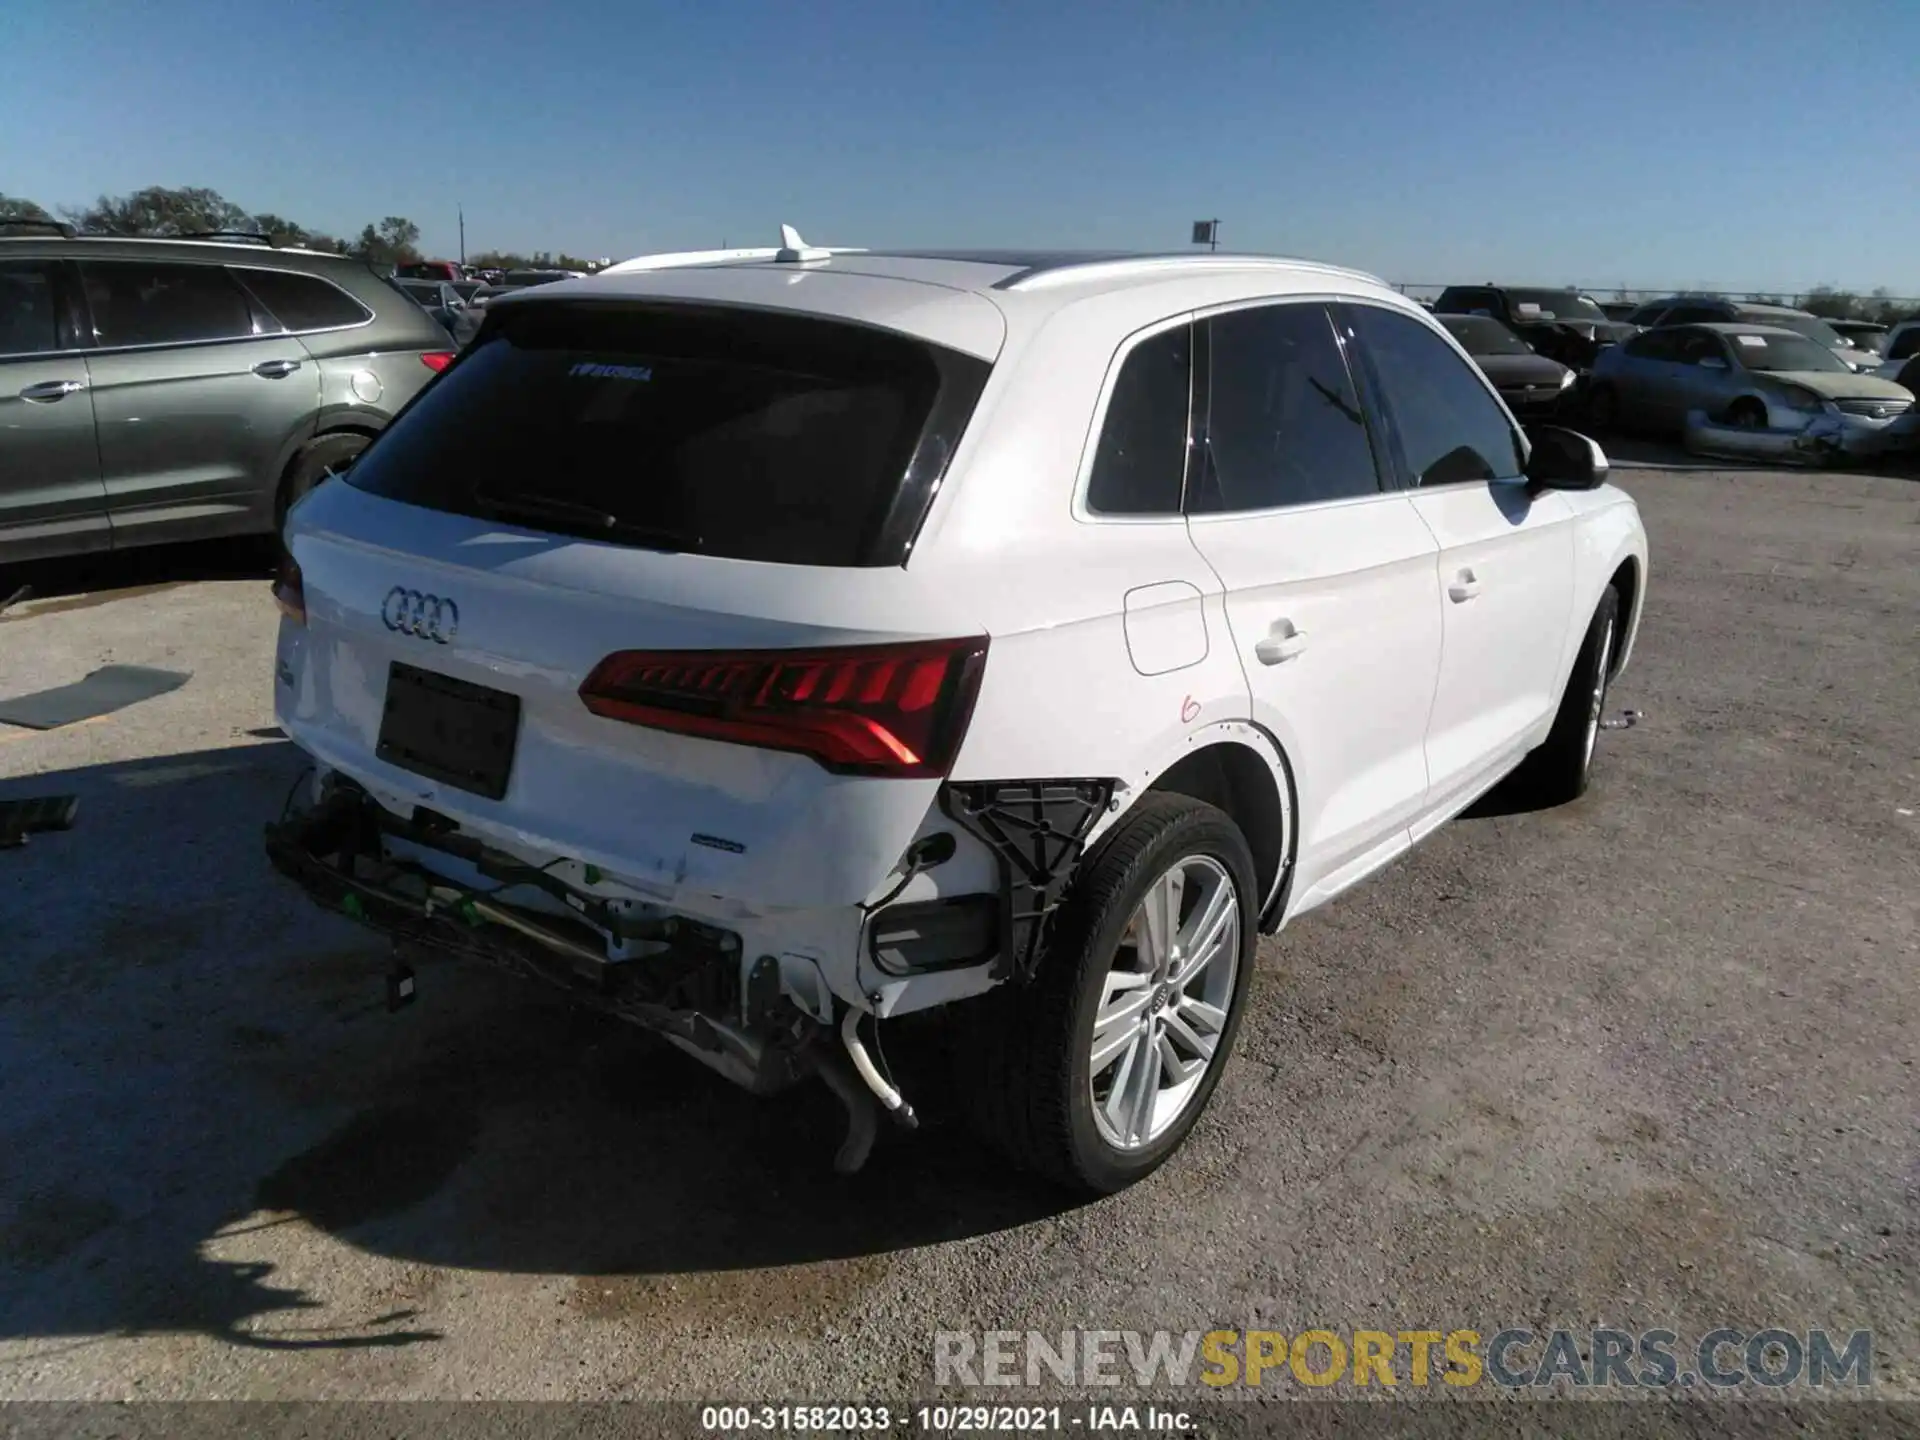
[(1645, 1060)]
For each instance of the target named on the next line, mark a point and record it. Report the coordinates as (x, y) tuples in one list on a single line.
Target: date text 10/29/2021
[(944, 1419)]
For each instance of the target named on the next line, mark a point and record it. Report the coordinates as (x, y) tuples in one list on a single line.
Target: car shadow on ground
[(84, 580), (195, 1063)]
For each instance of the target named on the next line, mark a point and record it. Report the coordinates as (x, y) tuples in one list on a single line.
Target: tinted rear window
[(728, 433), (304, 302)]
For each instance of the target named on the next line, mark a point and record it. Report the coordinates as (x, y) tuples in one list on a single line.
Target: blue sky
[(1640, 142)]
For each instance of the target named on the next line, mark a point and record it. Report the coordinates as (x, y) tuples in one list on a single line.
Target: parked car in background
[(1716, 309), (520, 279), (447, 270), (477, 295), (1867, 335), (158, 390), (444, 303), (1903, 343), (1749, 377), (1532, 385), (760, 753), (1563, 325)]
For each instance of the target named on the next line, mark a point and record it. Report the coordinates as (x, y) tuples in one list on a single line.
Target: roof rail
[(1075, 273), (56, 227), (259, 237)]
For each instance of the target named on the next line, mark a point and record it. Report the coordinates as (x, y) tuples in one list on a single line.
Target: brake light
[(436, 360), (883, 710), (289, 590)]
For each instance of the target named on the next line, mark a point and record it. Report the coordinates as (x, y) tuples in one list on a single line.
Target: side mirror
[(1711, 362), (1563, 459)]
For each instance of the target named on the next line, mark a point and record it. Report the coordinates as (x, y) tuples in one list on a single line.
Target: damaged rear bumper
[(683, 979)]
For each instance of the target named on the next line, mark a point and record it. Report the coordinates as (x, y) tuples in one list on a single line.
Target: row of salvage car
[(1725, 377)]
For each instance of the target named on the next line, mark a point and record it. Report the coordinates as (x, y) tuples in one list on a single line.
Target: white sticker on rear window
[(1755, 342), (1527, 307), (594, 370)]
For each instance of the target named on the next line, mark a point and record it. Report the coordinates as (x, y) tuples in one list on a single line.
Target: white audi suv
[(769, 646)]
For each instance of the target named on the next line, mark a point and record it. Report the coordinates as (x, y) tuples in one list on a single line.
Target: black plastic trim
[(947, 934), (1037, 830), (962, 378)]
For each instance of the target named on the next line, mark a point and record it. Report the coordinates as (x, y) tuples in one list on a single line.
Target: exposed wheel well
[(1626, 580), (1240, 781)]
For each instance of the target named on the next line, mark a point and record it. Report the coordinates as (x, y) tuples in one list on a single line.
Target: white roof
[(959, 299)]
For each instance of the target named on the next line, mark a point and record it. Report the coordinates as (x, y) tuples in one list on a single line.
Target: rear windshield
[(718, 432)]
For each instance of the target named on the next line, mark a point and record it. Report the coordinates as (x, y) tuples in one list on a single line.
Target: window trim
[(69, 319), (240, 278), (255, 311), (1090, 446), (1200, 415), (1409, 483)]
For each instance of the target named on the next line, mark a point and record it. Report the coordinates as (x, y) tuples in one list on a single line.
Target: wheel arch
[(1256, 793), (1626, 581)]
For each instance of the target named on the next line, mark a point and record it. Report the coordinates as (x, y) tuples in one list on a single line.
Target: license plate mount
[(449, 730)]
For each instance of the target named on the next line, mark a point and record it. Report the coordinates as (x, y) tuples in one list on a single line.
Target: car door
[(200, 398), (1704, 378), (1504, 579), (51, 498), (1646, 385), (1328, 578)]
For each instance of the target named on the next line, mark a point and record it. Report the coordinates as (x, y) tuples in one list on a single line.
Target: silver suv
[(160, 390)]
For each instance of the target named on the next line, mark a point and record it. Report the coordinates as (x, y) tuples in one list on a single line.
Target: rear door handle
[(1280, 644), (1465, 586), (276, 369), (48, 391)]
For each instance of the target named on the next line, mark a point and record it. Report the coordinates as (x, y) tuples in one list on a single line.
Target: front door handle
[(1280, 644), (276, 369), (48, 391), (1465, 586)]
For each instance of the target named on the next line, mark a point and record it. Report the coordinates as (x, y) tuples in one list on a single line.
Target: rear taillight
[(436, 360), (289, 591), (893, 710)]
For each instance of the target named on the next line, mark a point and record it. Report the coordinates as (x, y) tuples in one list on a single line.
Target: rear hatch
[(626, 586)]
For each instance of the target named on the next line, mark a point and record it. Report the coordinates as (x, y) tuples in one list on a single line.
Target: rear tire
[(1029, 1075), (309, 466), (1561, 768)]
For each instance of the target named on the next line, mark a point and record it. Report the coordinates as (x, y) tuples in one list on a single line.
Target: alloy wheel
[(1164, 1002)]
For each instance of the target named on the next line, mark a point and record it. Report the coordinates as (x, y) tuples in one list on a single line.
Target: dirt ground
[(1646, 1060)]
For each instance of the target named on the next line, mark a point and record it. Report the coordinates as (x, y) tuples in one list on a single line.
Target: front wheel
[(1094, 1073)]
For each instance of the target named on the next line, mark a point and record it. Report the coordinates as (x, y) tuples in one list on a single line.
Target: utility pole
[(463, 234)]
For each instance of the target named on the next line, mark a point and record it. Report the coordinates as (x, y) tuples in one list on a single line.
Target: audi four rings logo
[(429, 617)]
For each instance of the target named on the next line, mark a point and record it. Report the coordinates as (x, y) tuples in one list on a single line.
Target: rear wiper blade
[(590, 518)]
